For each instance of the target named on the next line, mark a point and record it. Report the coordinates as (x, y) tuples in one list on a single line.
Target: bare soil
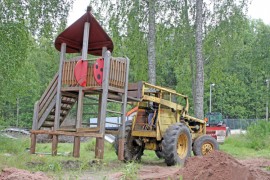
[(19, 174), (215, 166)]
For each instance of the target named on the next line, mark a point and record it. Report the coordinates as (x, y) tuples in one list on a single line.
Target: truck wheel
[(204, 145), (132, 151), (159, 154), (176, 144)]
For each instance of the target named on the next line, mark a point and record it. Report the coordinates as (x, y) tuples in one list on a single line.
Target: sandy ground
[(215, 166)]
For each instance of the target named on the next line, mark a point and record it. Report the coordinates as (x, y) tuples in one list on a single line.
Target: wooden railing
[(116, 77), (45, 104)]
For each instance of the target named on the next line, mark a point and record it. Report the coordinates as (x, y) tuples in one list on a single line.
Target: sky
[(258, 9)]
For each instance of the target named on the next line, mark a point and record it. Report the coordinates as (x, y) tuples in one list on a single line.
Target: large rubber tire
[(204, 145), (159, 154), (132, 151), (176, 144)]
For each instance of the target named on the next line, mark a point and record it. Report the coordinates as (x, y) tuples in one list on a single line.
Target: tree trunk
[(199, 63), (151, 43), (190, 49)]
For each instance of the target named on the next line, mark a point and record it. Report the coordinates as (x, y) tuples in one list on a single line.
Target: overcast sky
[(259, 9)]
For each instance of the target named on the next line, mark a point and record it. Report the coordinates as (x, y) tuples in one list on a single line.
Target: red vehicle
[(216, 127)]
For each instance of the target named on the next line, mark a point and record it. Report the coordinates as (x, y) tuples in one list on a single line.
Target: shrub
[(258, 135)]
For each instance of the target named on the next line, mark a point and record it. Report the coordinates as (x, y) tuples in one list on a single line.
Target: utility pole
[(18, 109), (210, 100), (267, 99)]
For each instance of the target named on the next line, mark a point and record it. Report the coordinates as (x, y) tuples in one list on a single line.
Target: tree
[(22, 26), (151, 42), (199, 92)]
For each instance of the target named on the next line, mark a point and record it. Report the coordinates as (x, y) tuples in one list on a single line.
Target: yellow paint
[(144, 133), (150, 146), (182, 146)]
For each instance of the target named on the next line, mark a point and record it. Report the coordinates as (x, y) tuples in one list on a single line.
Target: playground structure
[(162, 122), (104, 79)]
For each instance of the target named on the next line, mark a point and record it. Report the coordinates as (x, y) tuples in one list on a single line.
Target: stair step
[(48, 124), (69, 95), (68, 98), (68, 101), (66, 107), (62, 113), (51, 118)]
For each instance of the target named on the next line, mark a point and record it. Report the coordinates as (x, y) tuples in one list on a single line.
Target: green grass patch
[(239, 146), (130, 171), (15, 153), (253, 144)]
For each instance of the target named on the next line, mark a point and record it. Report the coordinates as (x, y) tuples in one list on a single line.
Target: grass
[(239, 147), (13, 153), (130, 171)]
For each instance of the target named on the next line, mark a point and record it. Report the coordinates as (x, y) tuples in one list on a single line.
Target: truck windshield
[(214, 118)]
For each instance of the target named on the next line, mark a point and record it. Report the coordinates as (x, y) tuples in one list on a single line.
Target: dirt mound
[(19, 174), (219, 165)]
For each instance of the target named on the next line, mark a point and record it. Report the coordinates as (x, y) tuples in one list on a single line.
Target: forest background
[(236, 51)]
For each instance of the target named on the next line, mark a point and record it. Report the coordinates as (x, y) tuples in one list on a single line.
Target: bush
[(258, 135)]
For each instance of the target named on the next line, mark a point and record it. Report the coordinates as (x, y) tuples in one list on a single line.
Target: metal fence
[(240, 123)]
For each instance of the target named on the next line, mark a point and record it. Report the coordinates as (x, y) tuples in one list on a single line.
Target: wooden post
[(33, 143), (76, 144), (105, 86), (58, 99), (99, 141), (34, 127), (54, 145), (104, 49), (35, 116), (59, 86), (123, 116), (85, 40), (77, 140)]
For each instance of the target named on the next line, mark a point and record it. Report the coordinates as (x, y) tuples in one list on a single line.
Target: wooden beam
[(123, 116), (85, 89), (85, 134), (85, 40), (95, 129), (35, 116), (33, 143), (54, 145), (104, 49), (105, 86), (79, 109), (49, 89), (76, 146), (59, 86), (99, 152), (46, 113)]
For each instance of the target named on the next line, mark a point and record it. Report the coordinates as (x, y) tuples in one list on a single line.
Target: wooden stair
[(45, 107), (66, 105)]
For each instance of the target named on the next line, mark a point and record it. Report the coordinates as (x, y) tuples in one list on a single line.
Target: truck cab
[(216, 127)]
